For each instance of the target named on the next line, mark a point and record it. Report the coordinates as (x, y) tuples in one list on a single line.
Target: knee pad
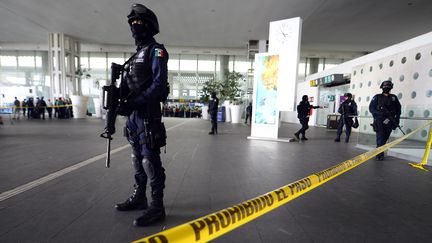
[(136, 162), (148, 168)]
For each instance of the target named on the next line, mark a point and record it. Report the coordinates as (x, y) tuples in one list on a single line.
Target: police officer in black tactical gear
[(212, 110), (145, 87), (348, 110), (386, 111), (303, 113)]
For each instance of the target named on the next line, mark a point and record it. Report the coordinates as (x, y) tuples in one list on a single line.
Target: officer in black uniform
[(348, 110), (145, 87), (303, 113), (386, 111), (212, 110)]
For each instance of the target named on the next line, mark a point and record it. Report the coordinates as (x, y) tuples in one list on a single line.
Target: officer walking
[(348, 110), (16, 109), (146, 86), (212, 110), (303, 113), (249, 113), (386, 111)]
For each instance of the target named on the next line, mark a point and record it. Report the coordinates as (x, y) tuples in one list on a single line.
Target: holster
[(374, 126), (153, 135)]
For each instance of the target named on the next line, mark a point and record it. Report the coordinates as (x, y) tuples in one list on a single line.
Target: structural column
[(64, 61), (313, 65), (223, 66)]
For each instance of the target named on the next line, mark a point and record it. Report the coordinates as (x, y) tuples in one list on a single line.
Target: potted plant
[(209, 87), (231, 91), (79, 102)]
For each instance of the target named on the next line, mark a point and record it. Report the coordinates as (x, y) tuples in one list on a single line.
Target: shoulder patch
[(158, 52), (141, 54)]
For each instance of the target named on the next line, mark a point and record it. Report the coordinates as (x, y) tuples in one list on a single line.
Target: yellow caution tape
[(219, 223), (34, 107), (425, 155)]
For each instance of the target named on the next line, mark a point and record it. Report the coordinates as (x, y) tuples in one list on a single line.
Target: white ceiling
[(345, 25)]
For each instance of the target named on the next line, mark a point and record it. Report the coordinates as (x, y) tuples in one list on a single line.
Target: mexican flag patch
[(159, 52)]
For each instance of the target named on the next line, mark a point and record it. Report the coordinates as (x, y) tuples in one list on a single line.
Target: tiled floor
[(385, 201)]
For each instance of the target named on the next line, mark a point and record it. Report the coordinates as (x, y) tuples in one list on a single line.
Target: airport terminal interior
[(254, 180)]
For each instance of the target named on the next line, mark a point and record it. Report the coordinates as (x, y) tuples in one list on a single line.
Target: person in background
[(386, 111), (249, 113), (56, 108), (16, 109), (212, 110), (41, 105), (61, 108), (24, 106), (303, 113), (348, 110), (30, 107), (49, 108)]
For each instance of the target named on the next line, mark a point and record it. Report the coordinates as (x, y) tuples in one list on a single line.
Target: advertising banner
[(265, 110)]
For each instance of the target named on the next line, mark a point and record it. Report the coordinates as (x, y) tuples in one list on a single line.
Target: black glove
[(396, 123), (124, 109)]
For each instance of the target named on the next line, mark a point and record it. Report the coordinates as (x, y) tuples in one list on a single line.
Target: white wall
[(347, 67), (412, 79), (412, 84)]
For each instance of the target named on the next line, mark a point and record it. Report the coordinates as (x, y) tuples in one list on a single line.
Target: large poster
[(267, 73)]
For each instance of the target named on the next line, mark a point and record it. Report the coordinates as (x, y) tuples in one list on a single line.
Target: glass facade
[(25, 73)]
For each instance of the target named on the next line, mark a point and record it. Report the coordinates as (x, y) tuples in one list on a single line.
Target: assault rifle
[(391, 116), (110, 102)]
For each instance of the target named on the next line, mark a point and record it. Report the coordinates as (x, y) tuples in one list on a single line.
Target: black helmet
[(139, 11), (386, 83)]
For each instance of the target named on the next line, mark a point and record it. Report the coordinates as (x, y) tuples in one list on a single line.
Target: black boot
[(380, 157), (153, 214), (137, 201)]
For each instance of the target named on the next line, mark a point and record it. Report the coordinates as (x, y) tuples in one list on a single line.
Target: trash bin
[(221, 114), (332, 121)]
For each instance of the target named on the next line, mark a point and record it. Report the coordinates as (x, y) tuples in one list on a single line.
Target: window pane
[(26, 61), (173, 64), (188, 63), (84, 61), (8, 61), (97, 61), (175, 93), (117, 58), (242, 65), (38, 61), (206, 63)]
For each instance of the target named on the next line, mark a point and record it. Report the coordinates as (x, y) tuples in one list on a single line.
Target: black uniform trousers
[(213, 118), (383, 132), (305, 125)]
